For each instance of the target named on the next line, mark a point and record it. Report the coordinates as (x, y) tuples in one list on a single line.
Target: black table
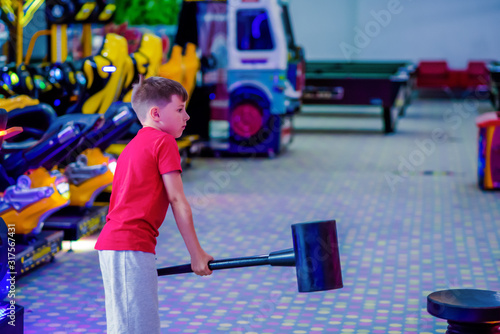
[(384, 84)]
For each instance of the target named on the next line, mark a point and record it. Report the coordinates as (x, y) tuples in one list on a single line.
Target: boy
[(146, 181)]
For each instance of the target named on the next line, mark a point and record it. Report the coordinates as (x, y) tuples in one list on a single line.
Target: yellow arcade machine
[(174, 68), (105, 74), (89, 174), (32, 166), (33, 196), (184, 68), (147, 61), (18, 14), (108, 74), (92, 171), (17, 102), (29, 201)]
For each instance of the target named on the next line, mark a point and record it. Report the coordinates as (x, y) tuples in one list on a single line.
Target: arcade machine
[(262, 98), (104, 77), (88, 170), (26, 201), (34, 190), (84, 165), (253, 72), (25, 204), (489, 151), (147, 60)]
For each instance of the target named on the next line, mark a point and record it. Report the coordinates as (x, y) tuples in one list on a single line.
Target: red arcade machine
[(489, 151)]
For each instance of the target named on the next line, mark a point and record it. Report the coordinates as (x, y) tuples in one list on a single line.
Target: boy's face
[(173, 117)]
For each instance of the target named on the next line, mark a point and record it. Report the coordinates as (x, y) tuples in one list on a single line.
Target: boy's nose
[(187, 117)]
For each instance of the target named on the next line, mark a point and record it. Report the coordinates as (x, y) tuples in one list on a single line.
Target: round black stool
[(468, 311)]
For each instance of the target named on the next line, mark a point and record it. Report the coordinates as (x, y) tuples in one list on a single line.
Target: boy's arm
[(184, 219)]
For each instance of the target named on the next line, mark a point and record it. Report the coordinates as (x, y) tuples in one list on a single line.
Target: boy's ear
[(154, 112)]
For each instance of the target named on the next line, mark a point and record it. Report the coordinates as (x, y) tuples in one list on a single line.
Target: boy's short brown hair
[(155, 91)]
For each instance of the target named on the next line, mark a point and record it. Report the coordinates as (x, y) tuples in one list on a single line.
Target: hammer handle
[(218, 264)]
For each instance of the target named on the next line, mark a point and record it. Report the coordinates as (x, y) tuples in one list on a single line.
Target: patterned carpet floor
[(410, 217)]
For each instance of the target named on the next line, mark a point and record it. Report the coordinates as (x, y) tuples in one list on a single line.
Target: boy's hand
[(184, 219), (199, 264)]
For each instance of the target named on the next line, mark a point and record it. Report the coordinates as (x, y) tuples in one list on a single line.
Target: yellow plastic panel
[(84, 193), (174, 68), (107, 12), (151, 46), (20, 101), (29, 217), (85, 11), (106, 91)]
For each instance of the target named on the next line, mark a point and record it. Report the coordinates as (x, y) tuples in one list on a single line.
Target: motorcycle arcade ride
[(90, 174), (87, 171), (93, 90), (25, 204)]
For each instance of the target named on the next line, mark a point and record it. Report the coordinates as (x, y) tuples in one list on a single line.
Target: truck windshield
[(253, 30)]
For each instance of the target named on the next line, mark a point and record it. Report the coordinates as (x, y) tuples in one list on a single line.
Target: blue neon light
[(212, 96), (58, 74), (6, 79), (4, 311), (57, 103)]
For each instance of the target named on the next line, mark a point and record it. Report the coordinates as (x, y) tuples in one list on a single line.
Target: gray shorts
[(130, 291)]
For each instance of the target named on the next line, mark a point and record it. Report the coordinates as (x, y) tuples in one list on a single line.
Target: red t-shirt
[(139, 201)]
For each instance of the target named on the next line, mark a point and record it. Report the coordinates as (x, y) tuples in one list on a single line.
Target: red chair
[(433, 74), (476, 75), (437, 74)]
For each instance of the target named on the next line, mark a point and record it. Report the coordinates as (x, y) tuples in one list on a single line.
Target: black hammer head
[(317, 256)]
